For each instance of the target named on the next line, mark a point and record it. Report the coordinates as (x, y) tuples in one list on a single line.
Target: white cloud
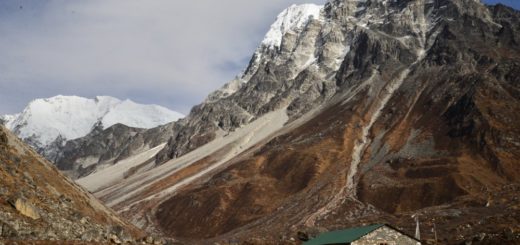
[(166, 52)]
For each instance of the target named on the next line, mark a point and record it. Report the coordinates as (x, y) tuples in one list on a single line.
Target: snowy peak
[(7, 118), (136, 115), (293, 18), (71, 117)]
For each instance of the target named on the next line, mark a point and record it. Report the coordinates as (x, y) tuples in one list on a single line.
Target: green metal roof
[(343, 236)]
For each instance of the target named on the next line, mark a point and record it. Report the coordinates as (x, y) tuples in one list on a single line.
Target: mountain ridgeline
[(351, 113), (68, 130)]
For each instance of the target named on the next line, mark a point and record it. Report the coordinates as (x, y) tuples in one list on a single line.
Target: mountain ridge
[(103, 110), (49, 124), (394, 107)]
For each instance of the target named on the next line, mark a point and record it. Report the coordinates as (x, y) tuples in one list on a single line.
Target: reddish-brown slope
[(274, 190), (445, 145)]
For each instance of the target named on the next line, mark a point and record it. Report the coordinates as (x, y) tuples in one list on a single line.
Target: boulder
[(27, 209)]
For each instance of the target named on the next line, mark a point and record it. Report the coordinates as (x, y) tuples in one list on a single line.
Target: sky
[(170, 53), (512, 3)]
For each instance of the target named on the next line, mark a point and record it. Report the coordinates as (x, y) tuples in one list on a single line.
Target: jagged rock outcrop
[(82, 156), (290, 69)]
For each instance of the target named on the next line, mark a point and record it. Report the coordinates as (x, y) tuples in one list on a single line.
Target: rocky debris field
[(38, 203)]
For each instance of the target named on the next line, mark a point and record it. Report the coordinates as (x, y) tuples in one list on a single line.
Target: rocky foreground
[(39, 205)]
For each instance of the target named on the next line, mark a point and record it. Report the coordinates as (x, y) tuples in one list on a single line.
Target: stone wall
[(385, 235)]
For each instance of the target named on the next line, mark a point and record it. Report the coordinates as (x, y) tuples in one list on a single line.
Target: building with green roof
[(379, 234)]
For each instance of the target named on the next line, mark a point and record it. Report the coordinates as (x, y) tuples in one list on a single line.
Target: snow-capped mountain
[(63, 118), (292, 20)]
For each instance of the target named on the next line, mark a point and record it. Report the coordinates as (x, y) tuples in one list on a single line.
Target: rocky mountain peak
[(291, 19), (382, 108), (311, 54)]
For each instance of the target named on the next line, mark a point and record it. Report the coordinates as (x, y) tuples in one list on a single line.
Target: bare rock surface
[(39, 203)]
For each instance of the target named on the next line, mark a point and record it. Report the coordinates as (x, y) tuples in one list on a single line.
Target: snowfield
[(292, 18), (71, 117)]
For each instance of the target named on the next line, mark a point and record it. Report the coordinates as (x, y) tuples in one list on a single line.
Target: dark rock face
[(80, 157)]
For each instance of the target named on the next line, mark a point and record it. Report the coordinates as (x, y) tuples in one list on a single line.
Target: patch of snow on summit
[(292, 18), (136, 115)]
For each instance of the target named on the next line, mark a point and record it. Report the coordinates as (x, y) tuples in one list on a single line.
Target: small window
[(383, 243)]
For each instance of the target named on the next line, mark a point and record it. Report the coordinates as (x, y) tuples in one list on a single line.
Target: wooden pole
[(417, 229), (435, 231)]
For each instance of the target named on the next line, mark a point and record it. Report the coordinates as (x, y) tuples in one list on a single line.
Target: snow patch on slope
[(71, 117), (5, 119), (293, 18), (135, 115)]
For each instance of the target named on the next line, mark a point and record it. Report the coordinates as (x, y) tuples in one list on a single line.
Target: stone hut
[(379, 234)]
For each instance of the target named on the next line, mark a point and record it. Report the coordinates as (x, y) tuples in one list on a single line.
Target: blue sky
[(171, 53), (511, 3)]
